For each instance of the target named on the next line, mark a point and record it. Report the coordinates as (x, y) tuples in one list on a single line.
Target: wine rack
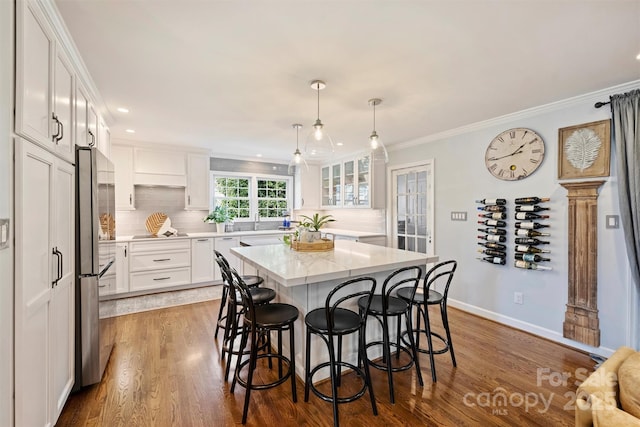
[(493, 228), (530, 233)]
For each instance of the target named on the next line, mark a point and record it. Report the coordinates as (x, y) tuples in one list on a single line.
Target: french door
[(412, 214)]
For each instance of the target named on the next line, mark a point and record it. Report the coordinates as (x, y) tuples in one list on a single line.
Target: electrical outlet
[(517, 298)]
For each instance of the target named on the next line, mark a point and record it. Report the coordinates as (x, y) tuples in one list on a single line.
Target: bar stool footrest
[(383, 367), (286, 375), (344, 399), (424, 350)]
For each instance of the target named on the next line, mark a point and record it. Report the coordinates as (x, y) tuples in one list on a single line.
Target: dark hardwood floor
[(165, 370)]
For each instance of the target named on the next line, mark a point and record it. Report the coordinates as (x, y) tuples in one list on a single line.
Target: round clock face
[(514, 154)]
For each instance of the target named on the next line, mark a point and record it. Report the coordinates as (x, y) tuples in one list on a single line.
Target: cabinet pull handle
[(202, 240), (162, 259), (101, 286), (125, 251), (130, 198), (54, 138), (93, 138), (60, 131), (58, 255), (162, 278), (227, 238), (189, 199)]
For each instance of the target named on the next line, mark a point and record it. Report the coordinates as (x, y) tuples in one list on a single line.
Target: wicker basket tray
[(317, 246)]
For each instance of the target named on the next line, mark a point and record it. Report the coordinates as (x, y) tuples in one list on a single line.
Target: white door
[(62, 301), (36, 268), (63, 90), (413, 209)]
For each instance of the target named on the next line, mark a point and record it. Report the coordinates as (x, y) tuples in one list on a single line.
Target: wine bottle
[(492, 201), (530, 225), (499, 231), (493, 260), (530, 241), (493, 223), (530, 233), (493, 245), (494, 215), (492, 252), (529, 265), (530, 208), (530, 215), (492, 208), (531, 200), (493, 238), (530, 257), (531, 249)]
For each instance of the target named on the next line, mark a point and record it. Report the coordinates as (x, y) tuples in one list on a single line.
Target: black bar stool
[(384, 307), (442, 272), (250, 280), (259, 319), (335, 321), (235, 309)]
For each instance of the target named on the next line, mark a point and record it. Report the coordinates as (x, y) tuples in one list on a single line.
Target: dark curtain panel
[(625, 109)]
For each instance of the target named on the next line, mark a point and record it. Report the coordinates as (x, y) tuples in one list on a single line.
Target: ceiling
[(234, 75)]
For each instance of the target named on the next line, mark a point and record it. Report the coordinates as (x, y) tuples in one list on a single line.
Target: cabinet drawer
[(159, 279), (160, 260), (107, 285), (164, 245)]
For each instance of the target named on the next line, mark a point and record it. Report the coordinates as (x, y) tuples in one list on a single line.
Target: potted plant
[(219, 216), (311, 226)]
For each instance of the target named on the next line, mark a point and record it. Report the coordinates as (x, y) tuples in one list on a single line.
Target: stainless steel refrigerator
[(95, 255)]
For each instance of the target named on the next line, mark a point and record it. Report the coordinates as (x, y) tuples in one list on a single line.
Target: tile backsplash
[(170, 200)]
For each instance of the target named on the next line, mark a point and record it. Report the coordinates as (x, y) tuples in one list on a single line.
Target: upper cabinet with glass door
[(363, 184)]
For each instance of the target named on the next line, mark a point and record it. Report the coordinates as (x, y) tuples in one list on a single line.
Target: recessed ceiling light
[(638, 57), (258, 155), (123, 110), (130, 131), (339, 144)]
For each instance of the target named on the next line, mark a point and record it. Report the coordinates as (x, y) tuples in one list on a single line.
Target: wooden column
[(581, 318)]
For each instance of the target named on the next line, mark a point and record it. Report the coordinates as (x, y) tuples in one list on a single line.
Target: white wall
[(6, 197), (461, 178)]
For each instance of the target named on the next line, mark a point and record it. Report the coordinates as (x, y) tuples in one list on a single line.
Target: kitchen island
[(304, 279)]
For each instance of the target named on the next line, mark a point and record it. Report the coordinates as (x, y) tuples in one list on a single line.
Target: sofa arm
[(607, 415)]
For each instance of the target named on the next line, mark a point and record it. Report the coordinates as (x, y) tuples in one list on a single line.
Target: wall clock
[(514, 154)]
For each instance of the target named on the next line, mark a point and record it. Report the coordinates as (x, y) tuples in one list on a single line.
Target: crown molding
[(592, 97)]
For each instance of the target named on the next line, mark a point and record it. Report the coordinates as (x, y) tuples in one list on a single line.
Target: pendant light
[(377, 148), (319, 145), (297, 160)]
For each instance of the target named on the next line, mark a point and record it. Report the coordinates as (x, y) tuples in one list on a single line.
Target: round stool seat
[(434, 296), (275, 314), (396, 305), (261, 295), (251, 280), (345, 321)]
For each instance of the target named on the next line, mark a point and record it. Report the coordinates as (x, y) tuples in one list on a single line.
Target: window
[(246, 196)]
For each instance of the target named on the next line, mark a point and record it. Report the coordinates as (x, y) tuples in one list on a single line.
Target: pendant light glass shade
[(376, 146), (297, 160), (319, 144)]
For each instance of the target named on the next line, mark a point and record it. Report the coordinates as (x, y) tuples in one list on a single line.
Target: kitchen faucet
[(256, 221)]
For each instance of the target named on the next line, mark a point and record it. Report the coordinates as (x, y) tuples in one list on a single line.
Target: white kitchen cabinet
[(92, 126), (361, 185), (197, 191), (331, 185), (82, 106), (224, 245), (104, 138), (159, 167), (44, 284), (122, 268), (202, 260), (159, 264), (306, 187), (122, 157), (44, 84)]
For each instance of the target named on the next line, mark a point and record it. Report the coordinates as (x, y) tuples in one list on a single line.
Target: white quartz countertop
[(351, 233), (347, 259)]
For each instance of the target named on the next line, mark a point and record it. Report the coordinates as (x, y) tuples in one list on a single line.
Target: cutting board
[(155, 221)]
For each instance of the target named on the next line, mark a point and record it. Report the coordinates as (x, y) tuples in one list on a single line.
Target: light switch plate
[(612, 221), (4, 233), (458, 216)]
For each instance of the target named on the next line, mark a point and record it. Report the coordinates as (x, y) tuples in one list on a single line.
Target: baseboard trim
[(529, 327)]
